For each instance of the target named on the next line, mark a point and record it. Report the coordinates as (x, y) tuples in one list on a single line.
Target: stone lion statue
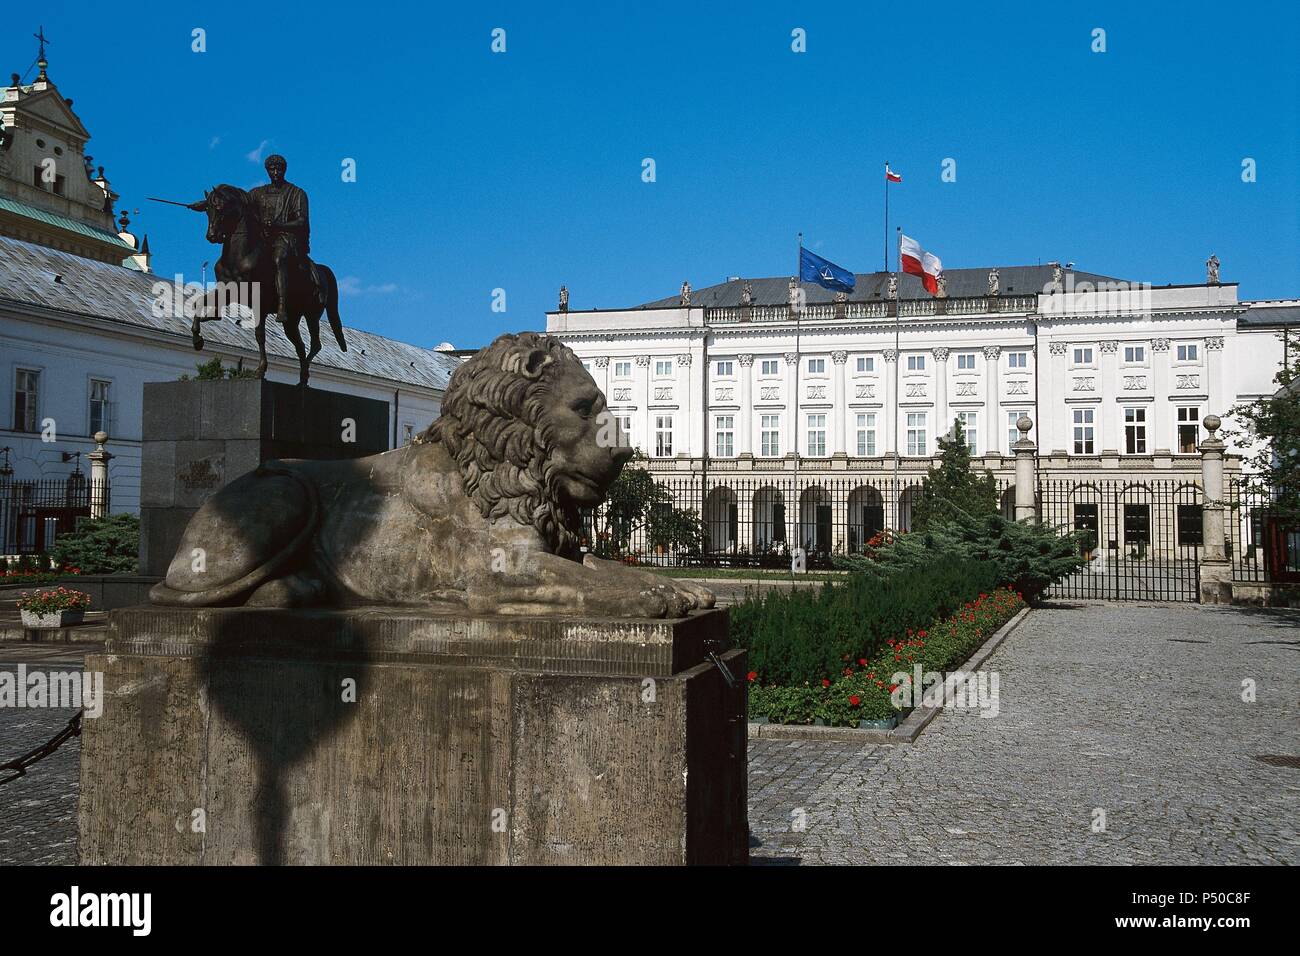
[(479, 514)]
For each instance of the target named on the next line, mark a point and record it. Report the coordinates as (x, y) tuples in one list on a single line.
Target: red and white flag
[(918, 262), (892, 176)]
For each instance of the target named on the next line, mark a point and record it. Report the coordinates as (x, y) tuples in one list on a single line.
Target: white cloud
[(256, 155), (351, 285), (215, 141)]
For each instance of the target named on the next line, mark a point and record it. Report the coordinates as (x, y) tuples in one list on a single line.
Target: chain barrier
[(19, 765)]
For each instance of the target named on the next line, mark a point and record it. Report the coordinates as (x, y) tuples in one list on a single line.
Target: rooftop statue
[(479, 515)]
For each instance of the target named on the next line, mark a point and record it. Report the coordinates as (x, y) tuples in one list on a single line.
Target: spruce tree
[(952, 485)]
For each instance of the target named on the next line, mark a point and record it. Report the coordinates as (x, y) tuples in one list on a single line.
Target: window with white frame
[(726, 368), (1135, 430), (587, 366), (916, 363), (770, 436), (1084, 431), (1135, 354), (408, 433), (1189, 428), (99, 406), (1188, 353), (1017, 360), (966, 361), (664, 436), (866, 363), (625, 430), (1013, 433), (817, 436), (769, 367), (724, 444), (916, 433), (663, 367), (866, 434), (968, 429), (1083, 355), (622, 369), (27, 387), (816, 366)]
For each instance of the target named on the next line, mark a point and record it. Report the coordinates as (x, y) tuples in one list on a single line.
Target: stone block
[(470, 740)]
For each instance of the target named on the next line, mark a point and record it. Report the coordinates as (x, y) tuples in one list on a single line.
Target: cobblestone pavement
[(38, 812), (1133, 710)]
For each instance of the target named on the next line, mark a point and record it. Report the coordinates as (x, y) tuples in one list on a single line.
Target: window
[(966, 362), (1135, 431), (1083, 355), (1188, 353), (866, 434), (817, 366), (1190, 533), (26, 397), (408, 433), (769, 367), (1083, 431), (916, 433), (99, 406), (916, 363), (770, 435), (1013, 433), (663, 366), (1137, 524), (866, 363), (624, 430), (1135, 354), (587, 366), (1017, 360), (726, 368), (622, 369), (724, 446), (664, 436), (1189, 433), (968, 429), (817, 436)]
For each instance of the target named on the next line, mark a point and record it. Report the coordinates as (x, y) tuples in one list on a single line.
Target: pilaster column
[(792, 403), (99, 459), (745, 418), (642, 426), (942, 420), (1162, 434), (890, 415), (601, 374), (839, 409), (992, 394), (1214, 374), (691, 437), (1110, 416)]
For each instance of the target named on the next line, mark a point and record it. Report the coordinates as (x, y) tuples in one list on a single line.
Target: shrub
[(951, 485), (108, 545), (1026, 556), (803, 635), (48, 602)]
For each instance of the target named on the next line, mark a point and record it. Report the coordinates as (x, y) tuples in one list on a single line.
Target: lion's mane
[(496, 425)]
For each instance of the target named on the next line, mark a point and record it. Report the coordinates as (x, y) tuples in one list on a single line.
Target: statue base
[(370, 736)]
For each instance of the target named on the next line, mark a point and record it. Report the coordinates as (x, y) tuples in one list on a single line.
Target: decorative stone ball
[(1212, 423), (101, 437), (1024, 424)]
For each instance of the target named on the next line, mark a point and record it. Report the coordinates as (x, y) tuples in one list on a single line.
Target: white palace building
[(762, 383)]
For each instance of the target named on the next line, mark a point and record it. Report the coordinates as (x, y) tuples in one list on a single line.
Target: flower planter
[(52, 618)]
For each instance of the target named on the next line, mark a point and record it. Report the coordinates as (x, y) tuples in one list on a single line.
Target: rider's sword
[(172, 202)]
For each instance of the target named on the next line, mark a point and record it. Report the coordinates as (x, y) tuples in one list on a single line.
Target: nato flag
[(813, 268)]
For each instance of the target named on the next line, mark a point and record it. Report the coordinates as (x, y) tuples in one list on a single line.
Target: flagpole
[(886, 269), (794, 404), (898, 359)]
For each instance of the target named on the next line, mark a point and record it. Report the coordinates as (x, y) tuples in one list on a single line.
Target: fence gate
[(1143, 538)]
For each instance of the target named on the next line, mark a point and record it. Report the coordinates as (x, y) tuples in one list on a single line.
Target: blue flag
[(813, 268)]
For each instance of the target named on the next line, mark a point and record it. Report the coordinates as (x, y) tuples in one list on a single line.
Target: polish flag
[(892, 176), (918, 262)]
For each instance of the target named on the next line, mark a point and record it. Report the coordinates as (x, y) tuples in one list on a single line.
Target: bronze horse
[(246, 275)]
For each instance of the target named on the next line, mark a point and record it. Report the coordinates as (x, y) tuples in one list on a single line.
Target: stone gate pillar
[(1026, 480), (99, 459), (1216, 569)]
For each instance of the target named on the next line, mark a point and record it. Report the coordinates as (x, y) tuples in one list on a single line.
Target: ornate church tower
[(50, 193)]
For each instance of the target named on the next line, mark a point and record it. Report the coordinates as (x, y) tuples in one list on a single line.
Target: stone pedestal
[(197, 436), (366, 736)]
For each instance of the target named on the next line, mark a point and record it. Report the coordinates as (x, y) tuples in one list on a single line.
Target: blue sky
[(522, 170)]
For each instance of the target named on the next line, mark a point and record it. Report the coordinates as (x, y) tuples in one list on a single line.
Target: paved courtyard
[(1131, 710), (1135, 711)]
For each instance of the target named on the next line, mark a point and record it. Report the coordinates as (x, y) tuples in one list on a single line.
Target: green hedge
[(805, 635)]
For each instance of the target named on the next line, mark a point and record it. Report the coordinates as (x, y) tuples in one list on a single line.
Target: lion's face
[(586, 453)]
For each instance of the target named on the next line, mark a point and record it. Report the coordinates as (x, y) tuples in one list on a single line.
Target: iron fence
[(733, 521), (1262, 542), (1141, 539), (33, 513)]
